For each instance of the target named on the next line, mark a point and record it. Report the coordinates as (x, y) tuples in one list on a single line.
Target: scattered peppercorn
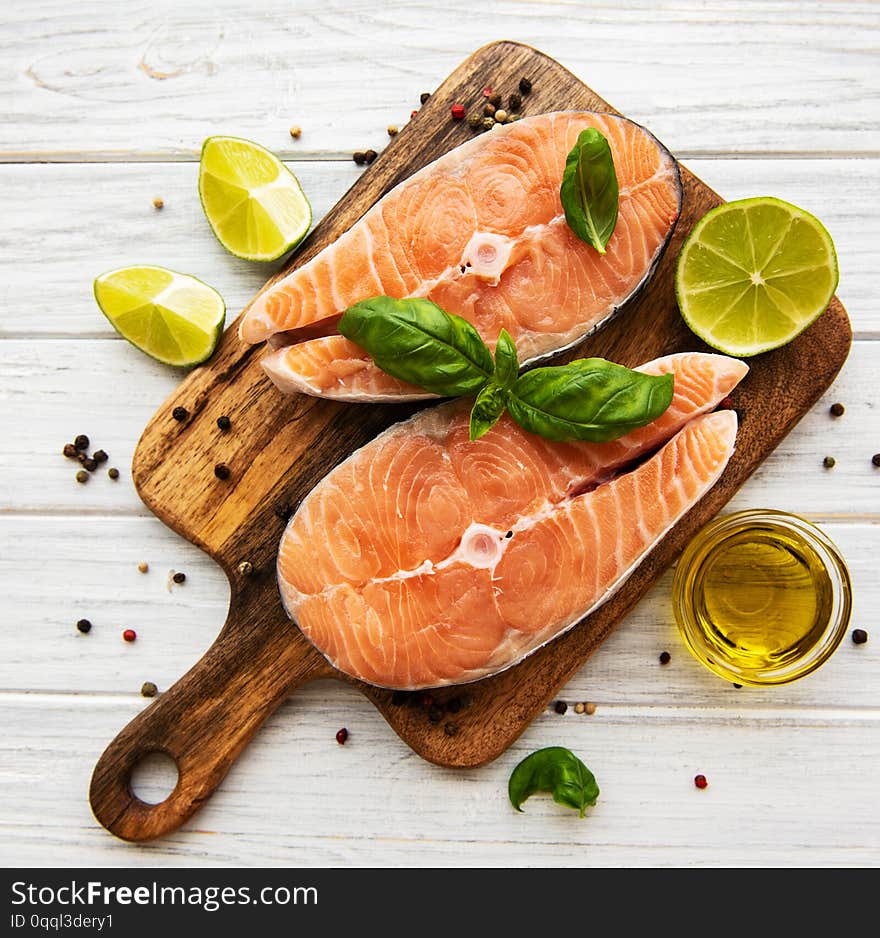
[(342, 736), (221, 470), (560, 707), (474, 120), (435, 714), (466, 700), (412, 114), (149, 689), (738, 686), (423, 97), (90, 463), (453, 706), (69, 451), (487, 123), (501, 115), (143, 567), (489, 110), (296, 132), (509, 534), (129, 635), (113, 472), (180, 413), (515, 102), (283, 511), (179, 577), (451, 729), (487, 92), (245, 568), (837, 410), (859, 636), (82, 457), (875, 459), (399, 698), (589, 709), (81, 441), (665, 657), (84, 626), (829, 462), (100, 456), (578, 708), (525, 85), (458, 112), (359, 157), (392, 130), (369, 156), (700, 781), (82, 476), (495, 99), (427, 701)]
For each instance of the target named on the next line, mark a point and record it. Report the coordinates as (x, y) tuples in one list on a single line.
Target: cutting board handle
[(203, 722)]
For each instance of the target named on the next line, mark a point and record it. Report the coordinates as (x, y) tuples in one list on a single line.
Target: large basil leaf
[(556, 770), (589, 191), (414, 340), (488, 407), (588, 399)]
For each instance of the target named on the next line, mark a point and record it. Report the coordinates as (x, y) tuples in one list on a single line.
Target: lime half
[(253, 202), (173, 317), (755, 273)]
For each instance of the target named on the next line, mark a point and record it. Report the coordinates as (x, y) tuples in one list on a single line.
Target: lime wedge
[(173, 317), (754, 274), (253, 202)]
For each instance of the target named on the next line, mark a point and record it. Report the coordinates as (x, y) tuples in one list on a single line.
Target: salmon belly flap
[(482, 233), (427, 559)]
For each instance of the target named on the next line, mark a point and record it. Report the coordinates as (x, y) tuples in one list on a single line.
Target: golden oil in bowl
[(762, 597)]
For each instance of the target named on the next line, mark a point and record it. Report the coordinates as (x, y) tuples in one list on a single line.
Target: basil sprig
[(555, 770), (589, 190), (588, 399)]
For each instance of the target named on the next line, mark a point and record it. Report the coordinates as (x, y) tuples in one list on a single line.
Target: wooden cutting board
[(280, 447)]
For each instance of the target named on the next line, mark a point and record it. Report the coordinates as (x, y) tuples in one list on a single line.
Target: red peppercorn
[(426, 701), (487, 91), (700, 781), (129, 635), (342, 736), (458, 112), (413, 113)]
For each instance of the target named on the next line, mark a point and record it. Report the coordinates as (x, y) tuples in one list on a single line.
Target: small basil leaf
[(488, 407), (588, 399), (506, 362), (414, 340), (589, 191), (555, 770)]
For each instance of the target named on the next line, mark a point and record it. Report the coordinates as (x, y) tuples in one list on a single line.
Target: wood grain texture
[(282, 447)]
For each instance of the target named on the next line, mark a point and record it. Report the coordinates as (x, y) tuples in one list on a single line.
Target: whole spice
[(221, 470), (129, 635), (700, 781), (875, 459), (224, 423), (143, 567), (525, 85), (113, 472), (738, 686), (829, 462), (296, 131), (392, 130), (158, 203), (665, 657), (453, 706), (451, 729), (489, 110), (423, 97), (82, 476), (487, 92), (69, 451), (90, 463), (84, 626), (427, 701), (458, 112), (359, 157), (487, 123), (589, 709), (180, 413), (412, 114), (149, 689), (578, 707), (435, 714), (179, 577), (495, 99), (859, 636), (515, 102), (245, 568), (283, 511), (837, 410), (342, 736), (81, 441), (369, 156), (474, 120), (100, 456), (500, 116), (560, 707)]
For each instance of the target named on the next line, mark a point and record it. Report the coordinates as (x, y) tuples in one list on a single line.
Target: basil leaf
[(506, 362), (589, 190), (556, 770), (488, 407), (414, 340)]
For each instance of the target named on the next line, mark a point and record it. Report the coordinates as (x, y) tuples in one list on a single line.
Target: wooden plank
[(63, 213), (705, 77), (88, 568), (297, 798), (57, 388)]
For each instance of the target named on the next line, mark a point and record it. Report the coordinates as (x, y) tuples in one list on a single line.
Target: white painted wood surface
[(758, 97)]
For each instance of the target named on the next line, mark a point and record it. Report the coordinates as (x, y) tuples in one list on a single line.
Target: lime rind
[(753, 274), (254, 204), (174, 318)]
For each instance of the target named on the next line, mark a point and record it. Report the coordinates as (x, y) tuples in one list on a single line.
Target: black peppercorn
[(84, 626), (221, 470), (423, 97), (82, 476), (829, 462), (875, 459), (515, 102), (525, 86), (665, 657), (560, 707), (224, 423), (100, 456), (451, 729), (90, 463), (149, 689), (859, 636), (81, 441), (495, 99), (179, 577), (180, 413), (435, 714), (738, 686), (369, 156), (359, 157), (283, 511), (69, 451), (837, 410), (113, 473), (489, 110)]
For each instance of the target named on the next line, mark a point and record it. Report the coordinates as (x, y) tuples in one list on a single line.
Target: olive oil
[(760, 596)]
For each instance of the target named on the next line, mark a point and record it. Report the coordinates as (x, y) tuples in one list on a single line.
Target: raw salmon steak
[(482, 233), (427, 559)]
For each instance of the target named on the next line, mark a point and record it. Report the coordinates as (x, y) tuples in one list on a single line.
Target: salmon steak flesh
[(482, 233), (425, 559)]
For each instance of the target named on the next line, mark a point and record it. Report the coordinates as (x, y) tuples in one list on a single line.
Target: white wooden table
[(103, 105)]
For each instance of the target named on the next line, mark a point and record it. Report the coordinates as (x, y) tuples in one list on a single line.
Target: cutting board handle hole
[(154, 777)]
